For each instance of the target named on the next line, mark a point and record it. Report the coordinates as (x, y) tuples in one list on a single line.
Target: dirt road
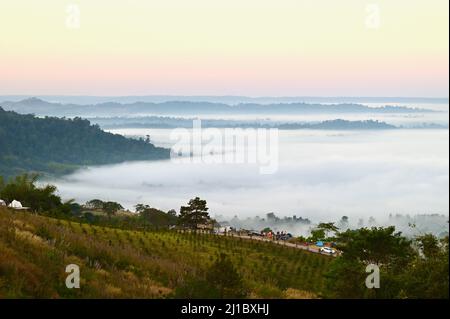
[(313, 249)]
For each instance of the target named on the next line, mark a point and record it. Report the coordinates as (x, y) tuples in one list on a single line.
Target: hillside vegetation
[(57, 146), (116, 263), (157, 254)]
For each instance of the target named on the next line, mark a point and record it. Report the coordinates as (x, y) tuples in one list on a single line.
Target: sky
[(233, 47)]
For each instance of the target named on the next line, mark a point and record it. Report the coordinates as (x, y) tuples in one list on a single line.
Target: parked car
[(327, 250), (286, 236)]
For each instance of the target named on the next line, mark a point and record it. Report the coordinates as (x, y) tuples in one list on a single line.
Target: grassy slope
[(114, 263)]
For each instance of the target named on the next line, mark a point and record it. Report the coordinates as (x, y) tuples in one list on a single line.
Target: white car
[(327, 250)]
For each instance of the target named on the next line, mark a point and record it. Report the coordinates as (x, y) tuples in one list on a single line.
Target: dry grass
[(116, 263)]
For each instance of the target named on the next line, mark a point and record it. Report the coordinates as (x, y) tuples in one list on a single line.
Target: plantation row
[(34, 251)]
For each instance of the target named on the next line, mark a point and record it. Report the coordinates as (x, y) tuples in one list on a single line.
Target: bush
[(220, 281)]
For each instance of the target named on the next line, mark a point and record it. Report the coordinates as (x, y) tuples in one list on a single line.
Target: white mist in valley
[(322, 175)]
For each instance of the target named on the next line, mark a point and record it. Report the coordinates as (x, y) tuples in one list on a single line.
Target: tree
[(111, 208), (377, 245), (221, 280), (428, 245), (40, 199), (328, 227), (383, 247), (195, 214), (155, 217), (427, 274), (172, 212), (75, 208), (322, 230), (317, 234), (140, 208), (89, 217), (225, 280), (94, 204)]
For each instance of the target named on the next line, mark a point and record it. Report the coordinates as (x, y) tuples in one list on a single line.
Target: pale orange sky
[(212, 47)]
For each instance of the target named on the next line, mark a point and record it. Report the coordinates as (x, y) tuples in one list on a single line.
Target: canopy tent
[(16, 205)]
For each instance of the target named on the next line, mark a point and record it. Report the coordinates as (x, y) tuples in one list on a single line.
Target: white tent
[(15, 204), (2, 202)]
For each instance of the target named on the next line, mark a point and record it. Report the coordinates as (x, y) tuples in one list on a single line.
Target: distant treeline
[(56, 146), (176, 122)]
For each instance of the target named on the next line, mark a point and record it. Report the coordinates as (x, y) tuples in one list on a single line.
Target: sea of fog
[(321, 175), (439, 115)]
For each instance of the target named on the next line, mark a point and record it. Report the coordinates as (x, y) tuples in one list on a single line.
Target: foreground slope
[(116, 263)]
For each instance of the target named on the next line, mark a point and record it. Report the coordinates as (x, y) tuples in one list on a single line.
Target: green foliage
[(377, 245), (154, 217), (323, 231), (95, 204), (119, 263), (220, 281), (317, 234), (172, 212), (110, 208), (58, 146), (427, 275), (195, 214), (224, 279), (429, 245), (405, 271), (328, 227), (39, 199)]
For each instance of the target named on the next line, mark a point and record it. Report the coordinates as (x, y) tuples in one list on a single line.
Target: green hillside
[(116, 263), (58, 146), (157, 254)]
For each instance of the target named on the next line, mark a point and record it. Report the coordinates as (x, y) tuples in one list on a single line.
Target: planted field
[(114, 263)]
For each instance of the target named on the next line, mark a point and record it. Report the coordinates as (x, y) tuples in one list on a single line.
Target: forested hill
[(57, 146)]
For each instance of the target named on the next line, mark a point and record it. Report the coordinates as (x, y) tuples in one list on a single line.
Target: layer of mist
[(322, 176)]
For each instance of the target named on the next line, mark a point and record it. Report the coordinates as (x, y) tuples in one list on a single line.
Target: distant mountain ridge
[(226, 99), (43, 108)]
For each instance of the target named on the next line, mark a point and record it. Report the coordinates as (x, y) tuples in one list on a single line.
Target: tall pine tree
[(195, 214)]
